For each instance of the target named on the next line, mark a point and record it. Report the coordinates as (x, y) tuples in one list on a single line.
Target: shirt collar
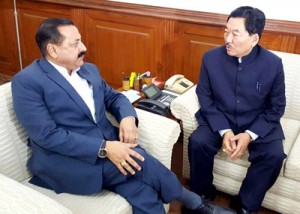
[(251, 56), (63, 70)]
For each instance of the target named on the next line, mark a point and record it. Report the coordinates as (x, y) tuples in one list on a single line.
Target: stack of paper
[(132, 95)]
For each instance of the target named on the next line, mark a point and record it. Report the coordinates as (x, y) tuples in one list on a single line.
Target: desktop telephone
[(153, 106), (178, 83)]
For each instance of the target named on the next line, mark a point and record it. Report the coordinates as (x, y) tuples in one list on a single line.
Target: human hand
[(128, 131), (228, 144), (121, 154), (242, 141)]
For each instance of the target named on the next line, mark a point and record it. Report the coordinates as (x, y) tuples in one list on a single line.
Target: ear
[(51, 50), (255, 39)]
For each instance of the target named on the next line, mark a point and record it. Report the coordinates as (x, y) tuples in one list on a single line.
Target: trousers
[(266, 161), (147, 189)]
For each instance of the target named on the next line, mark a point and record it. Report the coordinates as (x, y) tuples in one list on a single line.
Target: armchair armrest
[(184, 108), (157, 134), (17, 198)]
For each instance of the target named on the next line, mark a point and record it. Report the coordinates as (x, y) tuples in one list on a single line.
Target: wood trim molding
[(279, 26)]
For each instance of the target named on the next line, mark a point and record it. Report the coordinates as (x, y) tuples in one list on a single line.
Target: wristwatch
[(102, 151)]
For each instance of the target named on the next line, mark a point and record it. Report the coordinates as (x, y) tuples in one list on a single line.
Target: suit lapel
[(55, 76)]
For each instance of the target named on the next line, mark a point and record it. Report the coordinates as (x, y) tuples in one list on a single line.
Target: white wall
[(273, 9)]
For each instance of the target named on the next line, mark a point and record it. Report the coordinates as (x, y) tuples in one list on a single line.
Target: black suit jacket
[(240, 96)]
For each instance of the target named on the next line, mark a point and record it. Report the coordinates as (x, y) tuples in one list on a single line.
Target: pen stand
[(126, 84), (147, 80), (137, 84)]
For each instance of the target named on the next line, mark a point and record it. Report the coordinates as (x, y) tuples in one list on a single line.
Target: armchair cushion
[(17, 198)]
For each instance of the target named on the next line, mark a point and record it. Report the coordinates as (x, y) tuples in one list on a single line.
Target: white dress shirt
[(81, 85)]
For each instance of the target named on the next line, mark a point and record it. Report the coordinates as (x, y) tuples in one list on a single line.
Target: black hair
[(48, 33), (254, 19)]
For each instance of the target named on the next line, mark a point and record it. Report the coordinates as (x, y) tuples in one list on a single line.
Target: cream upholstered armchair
[(156, 134), (284, 196)]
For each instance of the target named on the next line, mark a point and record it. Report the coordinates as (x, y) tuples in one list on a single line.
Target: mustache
[(81, 54)]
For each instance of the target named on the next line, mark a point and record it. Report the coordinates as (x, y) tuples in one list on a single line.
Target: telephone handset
[(153, 106), (178, 83)]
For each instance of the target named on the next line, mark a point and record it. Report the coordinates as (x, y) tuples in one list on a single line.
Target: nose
[(228, 37), (82, 47)]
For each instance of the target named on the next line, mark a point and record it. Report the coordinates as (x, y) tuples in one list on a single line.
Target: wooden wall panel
[(30, 17), (124, 37), (297, 45), (29, 22), (120, 44), (192, 42), (278, 42), (9, 58)]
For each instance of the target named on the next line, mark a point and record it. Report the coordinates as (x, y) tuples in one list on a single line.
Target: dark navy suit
[(65, 139), (240, 96)]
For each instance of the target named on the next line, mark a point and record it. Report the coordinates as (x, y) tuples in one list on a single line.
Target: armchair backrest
[(14, 152), (291, 66)]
